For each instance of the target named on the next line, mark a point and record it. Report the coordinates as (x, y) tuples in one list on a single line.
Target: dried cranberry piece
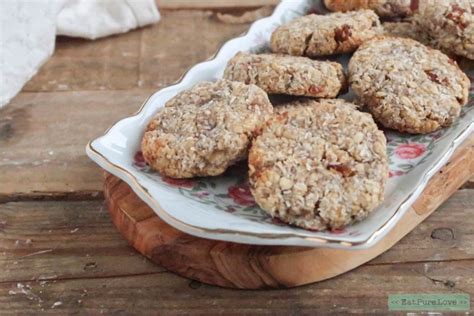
[(314, 89), (456, 16), (343, 169), (434, 77), (342, 33)]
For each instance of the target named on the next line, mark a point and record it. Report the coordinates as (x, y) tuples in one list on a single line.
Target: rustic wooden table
[(59, 250)]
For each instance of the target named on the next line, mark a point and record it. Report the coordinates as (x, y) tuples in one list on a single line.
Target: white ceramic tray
[(222, 207)]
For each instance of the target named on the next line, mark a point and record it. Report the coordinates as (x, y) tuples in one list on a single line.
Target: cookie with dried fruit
[(291, 75), (319, 164), (450, 23), (321, 35), (408, 86), (204, 130)]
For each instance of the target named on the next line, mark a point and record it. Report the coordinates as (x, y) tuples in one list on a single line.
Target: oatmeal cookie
[(319, 165), (204, 130), (409, 30), (384, 8), (451, 23), (290, 75), (319, 35), (408, 86)]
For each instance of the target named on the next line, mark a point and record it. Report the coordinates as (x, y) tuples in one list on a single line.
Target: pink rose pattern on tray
[(410, 151), (405, 152), (241, 194), (139, 161), (180, 183), (395, 173)]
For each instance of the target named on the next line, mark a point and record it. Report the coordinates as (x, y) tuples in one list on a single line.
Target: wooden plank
[(77, 234), (184, 39), (448, 234), (365, 290), (150, 57), (60, 240), (213, 4), (43, 138), (110, 63)]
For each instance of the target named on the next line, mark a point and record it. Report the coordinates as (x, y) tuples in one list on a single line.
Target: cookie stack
[(315, 162)]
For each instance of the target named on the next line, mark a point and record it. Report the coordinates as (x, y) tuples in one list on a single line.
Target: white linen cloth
[(28, 29)]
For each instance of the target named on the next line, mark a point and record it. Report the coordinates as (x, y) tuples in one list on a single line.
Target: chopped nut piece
[(286, 184)]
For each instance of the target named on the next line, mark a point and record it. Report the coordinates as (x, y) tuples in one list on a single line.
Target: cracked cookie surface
[(320, 35), (408, 86), (281, 74), (204, 130), (319, 164)]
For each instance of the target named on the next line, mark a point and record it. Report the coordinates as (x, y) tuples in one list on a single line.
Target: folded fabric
[(28, 30), (94, 19)]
